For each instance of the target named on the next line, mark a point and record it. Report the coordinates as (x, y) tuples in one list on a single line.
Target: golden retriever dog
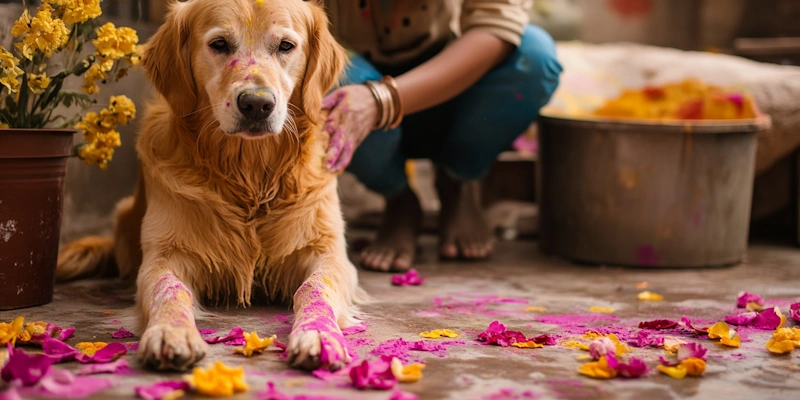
[(232, 195)]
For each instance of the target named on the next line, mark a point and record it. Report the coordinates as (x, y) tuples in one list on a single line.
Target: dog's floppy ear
[(326, 60), (167, 61)]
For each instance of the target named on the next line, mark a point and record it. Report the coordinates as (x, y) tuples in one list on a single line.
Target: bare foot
[(397, 237), (463, 228)]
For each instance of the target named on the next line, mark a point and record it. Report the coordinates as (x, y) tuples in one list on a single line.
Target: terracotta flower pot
[(33, 163)]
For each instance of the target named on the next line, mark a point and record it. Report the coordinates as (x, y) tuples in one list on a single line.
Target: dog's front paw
[(169, 347), (312, 349)]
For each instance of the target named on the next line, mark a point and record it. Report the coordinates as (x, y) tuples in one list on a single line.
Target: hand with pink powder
[(353, 115)]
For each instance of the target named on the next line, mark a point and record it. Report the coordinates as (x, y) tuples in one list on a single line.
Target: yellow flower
[(9, 71), (10, 331), (31, 329), (690, 366), (254, 344), (620, 347), (535, 309), (78, 11), (649, 296), (4, 125), (784, 340), (409, 373), (114, 43), (38, 83), (438, 333), (604, 310), (725, 334), (676, 372), (89, 348), (598, 369), (47, 34), (90, 78), (693, 366), (527, 345), (22, 25), (218, 381), (122, 108)]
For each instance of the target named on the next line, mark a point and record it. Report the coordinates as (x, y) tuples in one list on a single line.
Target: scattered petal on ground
[(218, 380), (439, 333), (410, 278), (122, 333), (649, 296), (162, 390)]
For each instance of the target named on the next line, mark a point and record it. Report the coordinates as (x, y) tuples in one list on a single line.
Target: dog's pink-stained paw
[(312, 349), (167, 347)]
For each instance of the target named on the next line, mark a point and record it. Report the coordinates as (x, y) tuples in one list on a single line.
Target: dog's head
[(247, 65)]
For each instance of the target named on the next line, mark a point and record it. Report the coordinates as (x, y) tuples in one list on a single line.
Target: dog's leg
[(165, 304), (323, 301)]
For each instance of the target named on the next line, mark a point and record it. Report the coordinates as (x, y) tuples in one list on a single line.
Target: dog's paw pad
[(166, 347)]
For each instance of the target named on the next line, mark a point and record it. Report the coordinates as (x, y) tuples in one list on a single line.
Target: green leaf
[(23, 102)]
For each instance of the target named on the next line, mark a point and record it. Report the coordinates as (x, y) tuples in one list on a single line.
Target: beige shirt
[(392, 32)]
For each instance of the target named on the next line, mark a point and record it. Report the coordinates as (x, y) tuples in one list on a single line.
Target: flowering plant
[(53, 39)]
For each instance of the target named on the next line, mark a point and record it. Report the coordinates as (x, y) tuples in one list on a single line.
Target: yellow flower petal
[(31, 329), (725, 334), (649, 296), (620, 347), (438, 333), (407, 374), (218, 381), (694, 366), (527, 345), (10, 331), (254, 344), (89, 348), (576, 345), (535, 309), (784, 340), (675, 372), (604, 310), (598, 369)]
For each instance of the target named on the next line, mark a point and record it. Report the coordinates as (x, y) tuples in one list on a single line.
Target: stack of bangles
[(390, 108)]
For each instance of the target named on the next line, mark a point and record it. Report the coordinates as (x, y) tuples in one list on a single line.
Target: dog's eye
[(220, 46), (285, 47)]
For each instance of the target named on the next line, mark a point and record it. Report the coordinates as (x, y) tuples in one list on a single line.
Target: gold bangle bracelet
[(391, 85), (382, 110)]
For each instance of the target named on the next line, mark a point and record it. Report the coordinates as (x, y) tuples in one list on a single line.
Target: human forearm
[(452, 71)]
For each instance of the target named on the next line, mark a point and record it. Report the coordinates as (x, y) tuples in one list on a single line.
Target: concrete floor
[(464, 292)]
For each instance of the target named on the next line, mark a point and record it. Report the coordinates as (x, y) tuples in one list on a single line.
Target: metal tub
[(647, 194)]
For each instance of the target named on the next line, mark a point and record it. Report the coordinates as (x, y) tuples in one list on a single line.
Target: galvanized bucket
[(647, 194)]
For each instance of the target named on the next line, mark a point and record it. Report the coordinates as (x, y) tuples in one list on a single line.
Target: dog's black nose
[(256, 104)]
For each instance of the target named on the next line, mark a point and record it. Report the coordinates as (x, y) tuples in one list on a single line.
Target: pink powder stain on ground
[(511, 394), (401, 349), (355, 329), (470, 303), (576, 323)]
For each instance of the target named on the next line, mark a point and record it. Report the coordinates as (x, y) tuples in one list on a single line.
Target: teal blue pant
[(465, 134)]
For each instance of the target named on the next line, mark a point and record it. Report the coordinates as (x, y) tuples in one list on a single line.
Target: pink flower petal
[(66, 334), (376, 374), (691, 350), (410, 278), (26, 368), (767, 319), (207, 331), (236, 334), (746, 297), (116, 367), (498, 334), (272, 393), (794, 311), (158, 390), (122, 333), (10, 394), (644, 339), (633, 369), (59, 351), (699, 331), (62, 383), (602, 347), (52, 331), (658, 324), (399, 395), (111, 352), (666, 362), (544, 339)]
